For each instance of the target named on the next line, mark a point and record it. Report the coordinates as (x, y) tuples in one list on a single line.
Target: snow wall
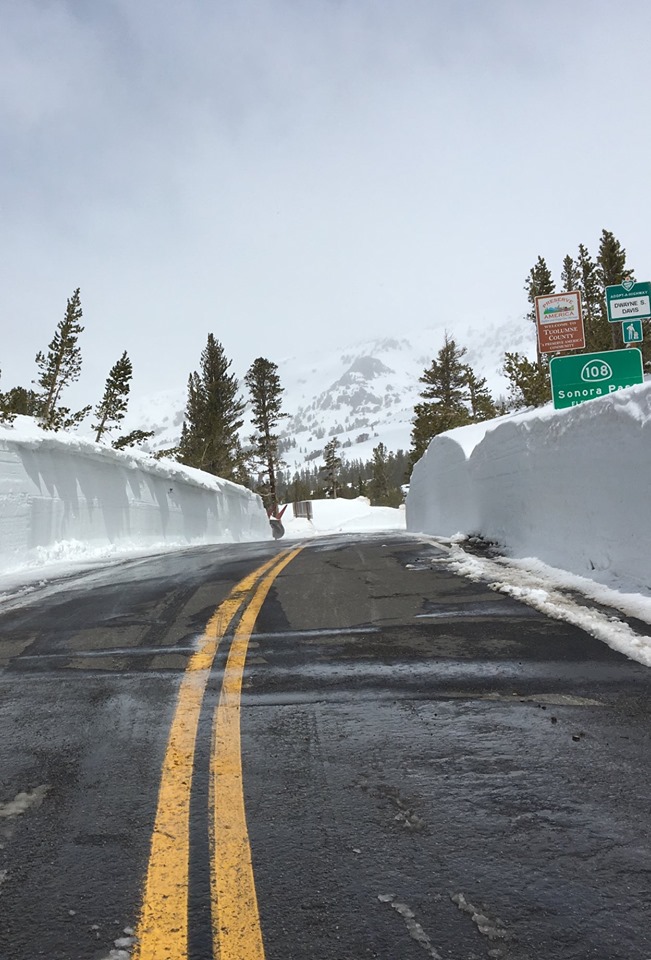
[(571, 487), (55, 490)]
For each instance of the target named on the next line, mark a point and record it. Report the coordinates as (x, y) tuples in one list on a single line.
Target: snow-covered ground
[(565, 495), (343, 516)]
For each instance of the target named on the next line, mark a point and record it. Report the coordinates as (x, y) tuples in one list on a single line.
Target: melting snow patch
[(414, 928), (23, 801), (493, 929), (122, 946), (543, 589)]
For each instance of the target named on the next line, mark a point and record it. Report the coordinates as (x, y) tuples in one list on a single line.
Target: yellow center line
[(162, 932), (236, 921)]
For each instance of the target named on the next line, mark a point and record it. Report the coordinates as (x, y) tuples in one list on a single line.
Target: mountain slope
[(362, 394)]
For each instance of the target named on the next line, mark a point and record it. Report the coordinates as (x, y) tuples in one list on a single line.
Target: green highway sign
[(585, 376), (628, 301), (632, 331)]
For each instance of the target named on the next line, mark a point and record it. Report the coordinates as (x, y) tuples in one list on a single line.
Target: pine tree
[(530, 378), (213, 416), (597, 332), (611, 270), (570, 275), (539, 283), (331, 467), (7, 415), (266, 402), (529, 381), (444, 398), (113, 405), (379, 487), (482, 405), (60, 368)]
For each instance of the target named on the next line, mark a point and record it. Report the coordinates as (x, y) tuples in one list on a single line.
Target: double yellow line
[(162, 932)]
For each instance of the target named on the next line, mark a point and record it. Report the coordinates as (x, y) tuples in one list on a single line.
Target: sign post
[(586, 376), (559, 322), (628, 301)]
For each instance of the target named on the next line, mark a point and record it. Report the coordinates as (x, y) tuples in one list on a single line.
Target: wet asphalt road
[(430, 769)]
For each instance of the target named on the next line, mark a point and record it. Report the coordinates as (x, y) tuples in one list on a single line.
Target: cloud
[(267, 169)]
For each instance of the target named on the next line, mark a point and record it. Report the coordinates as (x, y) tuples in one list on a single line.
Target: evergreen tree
[(213, 416), (529, 381), (7, 415), (444, 397), (570, 275), (331, 467), (20, 400), (266, 402), (16, 401), (611, 270), (482, 405), (379, 487), (539, 283), (597, 332), (113, 405), (60, 368)]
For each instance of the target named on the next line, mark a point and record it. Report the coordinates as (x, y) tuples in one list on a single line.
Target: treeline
[(454, 396), (381, 478)]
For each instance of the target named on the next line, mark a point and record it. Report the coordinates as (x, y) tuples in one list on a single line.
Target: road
[(338, 749)]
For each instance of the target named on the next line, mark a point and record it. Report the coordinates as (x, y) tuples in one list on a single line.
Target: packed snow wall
[(570, 487), (58, 491)]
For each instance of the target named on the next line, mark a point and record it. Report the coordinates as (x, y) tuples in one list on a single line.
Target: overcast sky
[(269, 169)]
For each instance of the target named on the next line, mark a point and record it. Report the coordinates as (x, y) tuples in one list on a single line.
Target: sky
[(273, 171)]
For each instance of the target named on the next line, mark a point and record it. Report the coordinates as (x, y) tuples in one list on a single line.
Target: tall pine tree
[(569, 275), (482, 405), (266, 394), (539, 283), (113, 405), (611, 270), (379, 487), (443, 400), (61, 367), (331, 467), (597, 331), (213, 416)]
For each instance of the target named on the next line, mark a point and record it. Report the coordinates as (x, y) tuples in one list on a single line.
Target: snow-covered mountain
[(362, 394)]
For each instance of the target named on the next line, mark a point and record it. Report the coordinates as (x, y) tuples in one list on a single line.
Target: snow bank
[(343, 516), (61, 495), (570, 487)]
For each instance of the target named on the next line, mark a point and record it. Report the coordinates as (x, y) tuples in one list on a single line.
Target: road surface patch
[(236, 921), (162, 932)]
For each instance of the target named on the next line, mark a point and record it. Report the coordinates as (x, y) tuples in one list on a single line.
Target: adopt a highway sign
[(628, 301), (585, 376)]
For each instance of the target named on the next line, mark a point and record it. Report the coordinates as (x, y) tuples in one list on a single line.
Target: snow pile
[(62, 496), (570, 487), (343, 516)]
